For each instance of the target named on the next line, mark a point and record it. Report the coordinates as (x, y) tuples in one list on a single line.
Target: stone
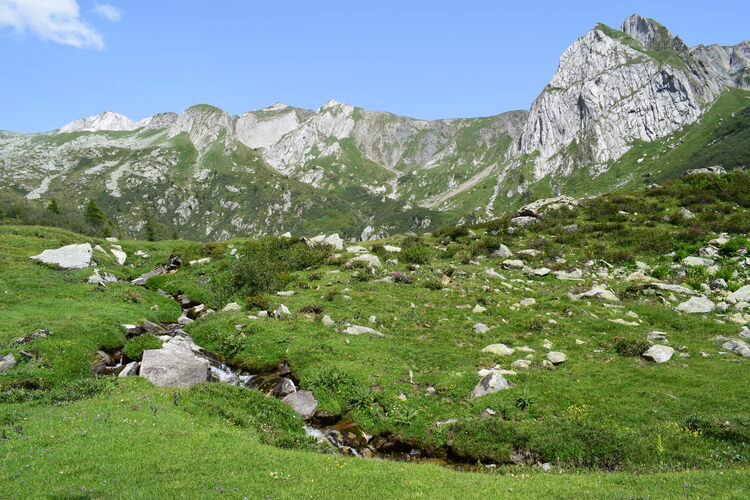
[(370, 259), (184, 320), (696, 305), (478, 309), (513, 264), (141, 280), (130, 370), (739, 347), (283, 388), (659, 353), (152, 328), (101, 279), (391, 248), (232, 306), (480, 328), (697, 261), (556, 358), (119, 255), (529, 252), (356, 249), (303, 402), (673, 288), (67, 257), (334, 241), (493, 274), (7, 362), (489, 384), (199, 262), (713, 170), (327, 321), (196, 311), (542, 207), (502, 251), (527, 302), (598, 293), (174, 367), (741, 294), (358, 330), (521, 364), (575, 274), (281, 311), (542, 271), (499, 349), (523, 221)]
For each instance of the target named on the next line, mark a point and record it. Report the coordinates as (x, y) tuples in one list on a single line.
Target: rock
[(480, 328), (540, 208), (659, 353), (549, 365), (478, 309), (286, 293), (356, 249), (142, 254), (327, 321), (101, 279), (281, 311), (697, 305), (499, 349), (372, 319), (152, 328), (717, 284), (141, 280), (334, 241), (739, 347), (685, 213), (130, 370), (370, 259), (174, 367), (286, 235), (493, 274), (283, 388), (196, 311), (741, 294), (184, 320), (7, 362), (529, 252), (527, 302), (520, 364), (697, 261), (523, 221), (357, 330), (119, 255), (575, 274), (232, 306), (199, 262), (556, 358), (67, 257), (542, 271), (673, 288), (391, 248), (303, 402), (597, 292), (490, 383), (708, 252), (174, 262), (713, 170), (513, 264), (502, 251)]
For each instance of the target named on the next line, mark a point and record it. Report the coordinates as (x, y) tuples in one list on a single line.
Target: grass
[(610, 423)]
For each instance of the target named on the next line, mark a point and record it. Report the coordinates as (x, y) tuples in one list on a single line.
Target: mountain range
[(626, 108)]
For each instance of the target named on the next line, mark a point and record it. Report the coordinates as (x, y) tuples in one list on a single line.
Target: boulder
[(67, 257), (281, 311), (480, 328), (542, 271), (493, 382), (130, 370), (368, 258), (540, 208), (598, 293), (742, 294), (697, 305), (141, 280), (503, 252), (357, 330), (712, 170), (521, 364), (101, 279), (356, 249), (523, 221), (283, 388), (327, 321), (673, 288), (659, 353), (174, 367), (527, 302), (391, 248), (499, 349), (334, 241), (697, 261), (556, 358), (739, 347), (685, 213), (303, 402), (119, 255), (575, 274), (232, 306), (513, 264), (7, 362)]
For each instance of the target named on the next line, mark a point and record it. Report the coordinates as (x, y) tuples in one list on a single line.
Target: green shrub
[(432, 284), (660, 272), (257, 303), (452, 232), (416, 254), (696, 276), (312, 308), (631, 346), (134, 348), (730, 248)]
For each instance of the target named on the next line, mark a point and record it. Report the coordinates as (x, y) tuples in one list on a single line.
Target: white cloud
[(55, 20), (109, 12)]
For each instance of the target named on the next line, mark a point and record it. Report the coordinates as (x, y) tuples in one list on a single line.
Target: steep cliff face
[(612, 88)]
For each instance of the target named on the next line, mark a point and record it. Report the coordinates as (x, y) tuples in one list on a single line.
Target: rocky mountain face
[(205, 174)]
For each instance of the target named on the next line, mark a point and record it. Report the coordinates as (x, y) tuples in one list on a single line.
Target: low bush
[(134, 348), (630, 346)]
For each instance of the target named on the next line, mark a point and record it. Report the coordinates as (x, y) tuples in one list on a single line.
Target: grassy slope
[(628, 411)]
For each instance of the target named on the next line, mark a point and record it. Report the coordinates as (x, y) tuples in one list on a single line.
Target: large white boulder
[(67, 257), (697, 305), (492, 382), (174, 367)]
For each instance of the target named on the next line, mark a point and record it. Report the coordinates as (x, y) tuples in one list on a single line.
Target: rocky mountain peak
[(650, 34), (203, 124), (108, 120)]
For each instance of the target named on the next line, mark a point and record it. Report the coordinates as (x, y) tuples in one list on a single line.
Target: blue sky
[(65, 59)]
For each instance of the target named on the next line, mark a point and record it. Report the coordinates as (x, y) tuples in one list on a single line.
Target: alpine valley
[(625, 109)]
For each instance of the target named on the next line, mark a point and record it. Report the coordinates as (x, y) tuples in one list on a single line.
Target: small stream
[(341, 432)]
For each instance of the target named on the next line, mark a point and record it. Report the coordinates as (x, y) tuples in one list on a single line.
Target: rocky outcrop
[(67, 257), (103, 121)]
